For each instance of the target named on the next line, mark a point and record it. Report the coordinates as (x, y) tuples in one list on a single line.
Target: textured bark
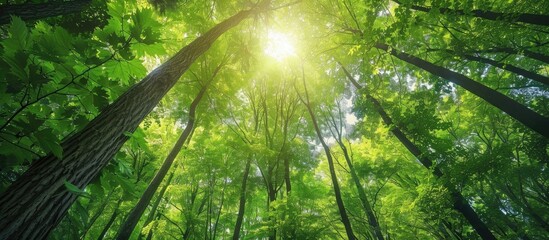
[(537, 19), (339, 200), (127, 227), (459, 202), (37, 201), (34, 11), (526, 116), (514, 69), (242, 203)]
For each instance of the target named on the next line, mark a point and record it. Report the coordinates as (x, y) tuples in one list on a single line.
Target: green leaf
[(49, 142), (142, 49), (125, 70), (18, 64), (74, 189), (18, 33)]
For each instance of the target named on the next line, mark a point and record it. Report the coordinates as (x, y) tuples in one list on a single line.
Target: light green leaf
[(74, 189), (125, 70)]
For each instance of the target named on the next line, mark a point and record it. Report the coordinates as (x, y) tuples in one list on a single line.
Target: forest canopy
[(274, 119)]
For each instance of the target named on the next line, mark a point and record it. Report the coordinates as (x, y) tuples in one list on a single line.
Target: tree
[(242, 202), (128, 226), (102, 137), (519, 112), (405, 153), (538, 19), (336, 128), (34, 11), (335, 184), (460, 203)]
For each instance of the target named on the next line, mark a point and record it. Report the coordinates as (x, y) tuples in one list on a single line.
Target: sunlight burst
[(279, 46)]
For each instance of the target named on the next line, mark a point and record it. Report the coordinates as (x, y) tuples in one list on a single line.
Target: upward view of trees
[(274, 119)]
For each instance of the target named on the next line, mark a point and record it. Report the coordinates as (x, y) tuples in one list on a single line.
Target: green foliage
[(57, 74)]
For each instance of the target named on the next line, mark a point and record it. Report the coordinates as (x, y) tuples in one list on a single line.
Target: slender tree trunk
[(151, 232), (459, 202), (190, 224), (338, 136), (516, 110), (372, 219), (34, 11), (34, 204), (271, 193), (97, 214), (152, 213), (111, 221), (339, 200), (510, 68), (534, 55), (537, 19), (127, 228), (219, 211), (242, 204), (524, 52), (287, 181)]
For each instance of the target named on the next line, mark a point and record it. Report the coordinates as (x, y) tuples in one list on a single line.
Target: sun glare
[(279, 46)]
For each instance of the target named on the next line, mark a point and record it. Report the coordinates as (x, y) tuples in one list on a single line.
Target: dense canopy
[(274, 119)]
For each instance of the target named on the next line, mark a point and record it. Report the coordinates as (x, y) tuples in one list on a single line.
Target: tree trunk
[(341, 207), (372, 220), (287, 181), (34, 204), (127, 228), (219, 211), (524, 52), (459, 202), (34, 11), (516, 110), (510, 68), (190, 224), (537, 19), (534, 55), (242, 204), (338, 136), (111, 221), (152, 213), (271, 193), (98, 213)]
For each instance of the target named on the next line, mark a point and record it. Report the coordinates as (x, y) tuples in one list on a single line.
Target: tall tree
[(39, 199), (127, 228), (525, 52), (538, 19), (511, 68), (242, 201), (460, 203), (154, 208), (34, 11), (336, 128), (523, 114), (335, 184)]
